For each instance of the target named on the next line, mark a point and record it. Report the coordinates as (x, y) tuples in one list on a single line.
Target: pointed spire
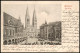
[(27, 7), (34, 20), (27, 18), (34, 13), (19, 18), (27, 11), (34, 8), (45, 21)]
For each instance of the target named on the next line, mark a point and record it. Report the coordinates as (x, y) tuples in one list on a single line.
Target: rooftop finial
[(45, 21), (19, 18)]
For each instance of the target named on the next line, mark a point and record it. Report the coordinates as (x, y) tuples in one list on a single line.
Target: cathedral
[(30, 30)]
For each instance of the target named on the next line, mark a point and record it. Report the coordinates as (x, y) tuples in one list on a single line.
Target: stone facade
[(30, 30), (13, 30), (51, 31)]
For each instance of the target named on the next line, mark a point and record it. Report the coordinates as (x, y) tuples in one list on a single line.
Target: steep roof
[(10, 20), (57, 23)]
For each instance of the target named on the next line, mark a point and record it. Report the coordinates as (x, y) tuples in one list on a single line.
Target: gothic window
[(13, 32), (5, 32), (10, 32)]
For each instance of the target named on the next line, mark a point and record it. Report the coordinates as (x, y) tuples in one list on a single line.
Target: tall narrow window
[(10, 32), (13, 32), (6, 31)]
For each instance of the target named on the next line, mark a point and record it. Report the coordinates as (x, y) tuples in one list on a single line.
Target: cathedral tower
[(27, 19), (34, 20)]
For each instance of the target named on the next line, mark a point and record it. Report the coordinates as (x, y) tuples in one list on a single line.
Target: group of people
[(44, 43)]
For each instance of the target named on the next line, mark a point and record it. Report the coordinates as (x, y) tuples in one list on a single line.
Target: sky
[(48, 12)]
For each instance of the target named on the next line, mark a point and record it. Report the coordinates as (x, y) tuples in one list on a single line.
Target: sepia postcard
[(40, 26)]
